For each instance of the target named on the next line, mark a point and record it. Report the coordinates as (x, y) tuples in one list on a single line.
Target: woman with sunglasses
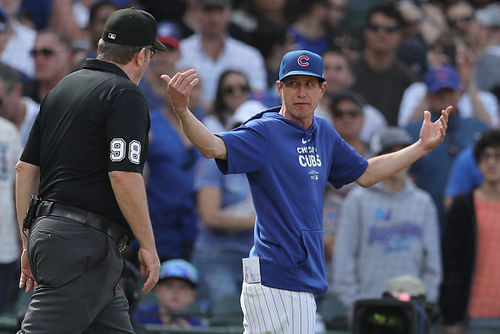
[(233, 89)]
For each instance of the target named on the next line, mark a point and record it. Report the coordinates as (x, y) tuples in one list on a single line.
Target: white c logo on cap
[(111, 35), (303, 60)]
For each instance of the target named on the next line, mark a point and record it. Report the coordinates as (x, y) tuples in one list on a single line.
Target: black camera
[(389, 315)]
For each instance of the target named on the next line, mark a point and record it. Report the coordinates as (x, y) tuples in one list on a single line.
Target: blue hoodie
[(288, 168)]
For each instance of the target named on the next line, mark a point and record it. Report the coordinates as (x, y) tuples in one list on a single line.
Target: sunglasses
[(153, 50), (46, 52), (387, 29), (455, 21), (485, 156), (230, 90), (351, 113)]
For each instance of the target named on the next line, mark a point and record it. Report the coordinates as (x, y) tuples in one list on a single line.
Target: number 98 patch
[(118, 150)]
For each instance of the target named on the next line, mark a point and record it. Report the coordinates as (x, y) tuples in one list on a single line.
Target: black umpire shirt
[(94, 121)]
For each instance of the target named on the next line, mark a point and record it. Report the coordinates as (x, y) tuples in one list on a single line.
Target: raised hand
[(179, 88), (433, 133)]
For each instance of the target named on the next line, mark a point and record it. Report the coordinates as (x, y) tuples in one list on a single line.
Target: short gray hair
[(118, 53)]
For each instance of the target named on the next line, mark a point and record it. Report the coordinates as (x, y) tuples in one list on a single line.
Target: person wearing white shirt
[(211, 51), (10, 150)]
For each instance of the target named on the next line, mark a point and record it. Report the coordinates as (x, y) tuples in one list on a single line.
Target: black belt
[(90, 219)]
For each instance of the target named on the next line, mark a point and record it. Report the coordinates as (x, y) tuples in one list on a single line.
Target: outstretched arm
[(431, 134), (179, 88)]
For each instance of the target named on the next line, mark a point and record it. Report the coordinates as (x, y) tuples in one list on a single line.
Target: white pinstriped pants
[(268, 310)]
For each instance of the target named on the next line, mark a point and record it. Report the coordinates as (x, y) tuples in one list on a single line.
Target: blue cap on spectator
[(179, 268), (301, 62), (444, 76)]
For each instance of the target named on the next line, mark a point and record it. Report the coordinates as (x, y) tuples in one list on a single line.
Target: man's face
[(336, 11), (214, 20), (51, 58), (234, 89), (442, 98), (382, 34), (337, 72), (348, 119), (175, 294), (460, 17), (97, 25), (489, 164), (164, 61), (300, 96)]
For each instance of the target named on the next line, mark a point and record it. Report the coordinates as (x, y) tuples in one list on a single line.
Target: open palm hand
[(433, 133)]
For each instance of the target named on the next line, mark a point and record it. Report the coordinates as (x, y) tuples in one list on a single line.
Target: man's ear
[(140, 57)]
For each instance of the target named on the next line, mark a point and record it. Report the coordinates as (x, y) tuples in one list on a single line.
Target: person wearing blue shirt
[(289, 156), (170, 186), (464, 176)]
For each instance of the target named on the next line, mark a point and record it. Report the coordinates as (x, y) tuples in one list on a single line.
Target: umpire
[(84, 160)]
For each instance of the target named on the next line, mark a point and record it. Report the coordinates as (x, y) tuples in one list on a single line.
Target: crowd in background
[(385, 62)]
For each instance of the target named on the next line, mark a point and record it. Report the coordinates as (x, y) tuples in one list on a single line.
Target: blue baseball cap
[(179, 268), (444, 76), (301, 62)]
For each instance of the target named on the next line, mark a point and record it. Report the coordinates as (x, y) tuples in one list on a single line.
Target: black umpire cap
[(132, 27)]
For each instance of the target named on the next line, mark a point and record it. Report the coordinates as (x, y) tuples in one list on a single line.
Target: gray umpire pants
[(77, 269)]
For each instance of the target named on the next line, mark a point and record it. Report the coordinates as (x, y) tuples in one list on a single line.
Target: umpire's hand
[(26, 279), (150, 268)]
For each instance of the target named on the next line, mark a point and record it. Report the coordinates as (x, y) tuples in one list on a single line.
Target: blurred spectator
[(413, 48), (55, 14), (339, 77), (309, 27), (210, 51), (392, 222), (164, 62), (350, 42), (170, 185), (336, 15), (16, 39), (18, 109), (53, 60), (10, 250), (464, 176), (432, 170), (472, 102), (380, 78), (346, 110), (428, 18), (176, 291), (184, 13), (461, 19), (487, 70), (470, 297), (273, 40), (227, 215), (98, 14), (233, 89)]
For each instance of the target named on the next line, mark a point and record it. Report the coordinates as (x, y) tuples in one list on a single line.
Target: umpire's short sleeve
[(31, 152), (127, 127)]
